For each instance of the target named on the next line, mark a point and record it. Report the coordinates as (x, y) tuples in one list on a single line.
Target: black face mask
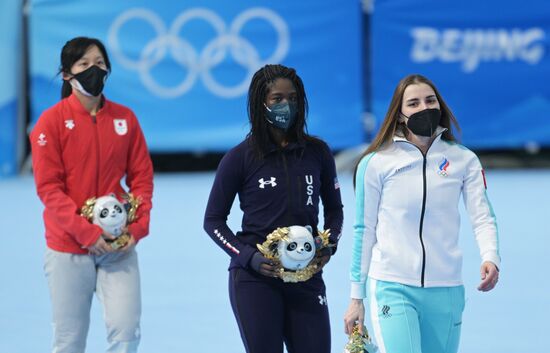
[(425, 122), (281, 115), (92, 80)]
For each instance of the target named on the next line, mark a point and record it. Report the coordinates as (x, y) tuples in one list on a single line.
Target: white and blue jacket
[(407, 218)]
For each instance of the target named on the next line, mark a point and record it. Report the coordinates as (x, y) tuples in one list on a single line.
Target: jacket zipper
[(300, 198), (94, 120), (289, 192), (421, 227), (424, 196)]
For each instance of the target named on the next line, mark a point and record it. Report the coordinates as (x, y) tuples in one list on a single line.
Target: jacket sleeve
[(139, 179), (481, 213), (49, 177), (367, 199), (227, 183), (331, 198)]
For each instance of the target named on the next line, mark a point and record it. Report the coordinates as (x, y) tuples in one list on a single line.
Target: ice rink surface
[(184, 274)]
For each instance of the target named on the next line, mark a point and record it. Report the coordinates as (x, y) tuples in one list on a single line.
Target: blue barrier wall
[(10, 24), (184, 66), (489, 60)]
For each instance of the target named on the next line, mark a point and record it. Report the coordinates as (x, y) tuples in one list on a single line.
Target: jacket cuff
[(358, 290), (245, 255), (91, 238), (491, 257), (333, 247), (136, 230)]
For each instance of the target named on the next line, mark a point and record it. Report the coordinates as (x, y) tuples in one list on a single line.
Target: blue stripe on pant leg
[(394, 317)]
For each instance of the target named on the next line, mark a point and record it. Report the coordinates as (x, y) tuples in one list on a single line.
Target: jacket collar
[(290, 147), (77, 107), (439, 132)]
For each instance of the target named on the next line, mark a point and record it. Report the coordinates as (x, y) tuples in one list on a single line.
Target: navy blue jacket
[(281, 190)]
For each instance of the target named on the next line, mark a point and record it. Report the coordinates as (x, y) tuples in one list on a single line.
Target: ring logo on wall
[(198, 62), (471, 47)]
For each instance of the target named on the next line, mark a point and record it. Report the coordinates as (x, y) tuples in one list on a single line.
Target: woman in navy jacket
[(280, 173)]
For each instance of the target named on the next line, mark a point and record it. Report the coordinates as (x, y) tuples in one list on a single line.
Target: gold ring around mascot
[(293, 252), (112, 215)]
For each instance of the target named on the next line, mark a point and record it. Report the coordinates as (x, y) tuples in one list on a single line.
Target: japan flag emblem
[(121, 127)]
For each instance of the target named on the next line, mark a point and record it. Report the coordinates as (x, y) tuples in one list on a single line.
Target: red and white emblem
[(121, 127), (42, 140)]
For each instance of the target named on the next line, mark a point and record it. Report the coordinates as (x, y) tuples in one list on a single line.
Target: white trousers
[(73, 279)]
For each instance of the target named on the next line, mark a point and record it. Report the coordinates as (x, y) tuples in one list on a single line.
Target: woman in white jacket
[(406, 258)]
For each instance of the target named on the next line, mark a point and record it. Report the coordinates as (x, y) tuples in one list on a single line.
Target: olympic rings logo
[(198, 64)]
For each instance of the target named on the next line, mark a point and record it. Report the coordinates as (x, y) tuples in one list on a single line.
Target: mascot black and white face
[(110, 215), (299, 250)]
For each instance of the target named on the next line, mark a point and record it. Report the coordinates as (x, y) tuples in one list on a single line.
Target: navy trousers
[(270, 312)]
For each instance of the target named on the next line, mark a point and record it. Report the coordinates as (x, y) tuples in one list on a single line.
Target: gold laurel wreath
[(87, 211), (269, 249), (357, 341), (134, 204)]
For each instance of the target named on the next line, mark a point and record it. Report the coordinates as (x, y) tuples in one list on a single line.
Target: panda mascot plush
[(298, 249), (110, 215), (293, 251)]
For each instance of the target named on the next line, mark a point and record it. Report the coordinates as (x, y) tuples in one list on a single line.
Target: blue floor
[(184, 277)]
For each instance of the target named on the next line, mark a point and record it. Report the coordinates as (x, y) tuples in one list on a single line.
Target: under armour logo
[(386, 312), (42, 140), (69, 124), (271, 182), (322, 299)]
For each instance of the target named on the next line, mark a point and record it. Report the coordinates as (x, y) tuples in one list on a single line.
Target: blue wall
[(10, 17), (488, 58), (184, 67)]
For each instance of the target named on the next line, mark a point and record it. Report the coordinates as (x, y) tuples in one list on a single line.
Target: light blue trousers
[(408, 319), (73, 279)]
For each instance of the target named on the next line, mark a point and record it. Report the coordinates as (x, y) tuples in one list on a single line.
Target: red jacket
[(75, 158)]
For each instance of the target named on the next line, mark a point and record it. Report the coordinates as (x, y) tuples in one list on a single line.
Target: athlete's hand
[(489, 276), (262, 265), (355, 315), (324, 257), (101, 247)]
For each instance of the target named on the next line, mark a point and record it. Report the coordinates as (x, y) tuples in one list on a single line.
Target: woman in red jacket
[(83, 147)]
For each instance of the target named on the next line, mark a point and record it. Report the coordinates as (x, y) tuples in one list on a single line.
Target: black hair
[(262, 81), (72, 51)]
